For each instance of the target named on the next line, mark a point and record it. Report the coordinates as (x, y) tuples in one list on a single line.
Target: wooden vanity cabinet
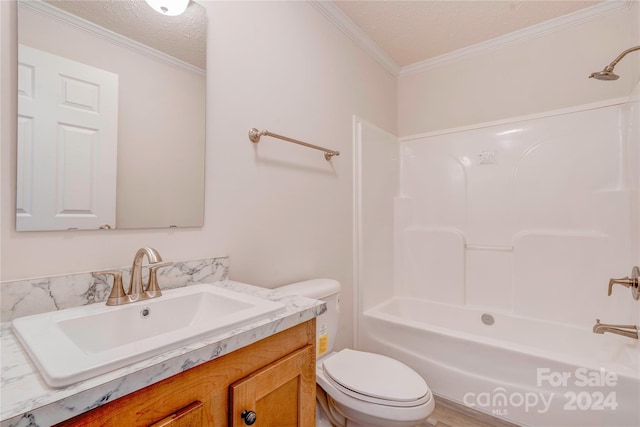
[(274, 378), (278, 394), (190, 416)]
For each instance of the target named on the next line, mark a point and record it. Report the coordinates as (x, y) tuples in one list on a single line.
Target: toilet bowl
[(357, 388), (368, 389)]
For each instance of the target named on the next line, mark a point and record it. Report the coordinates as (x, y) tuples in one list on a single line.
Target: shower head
[(604, 75), (607, 73)]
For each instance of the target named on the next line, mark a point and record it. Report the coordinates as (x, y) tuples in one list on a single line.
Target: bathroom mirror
[(111, 115)]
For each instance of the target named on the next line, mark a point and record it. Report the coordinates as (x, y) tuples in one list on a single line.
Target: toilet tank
[(327, 290)]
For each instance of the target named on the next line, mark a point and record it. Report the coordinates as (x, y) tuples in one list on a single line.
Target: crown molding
[(556, 24), (351, 30), (68, 18)]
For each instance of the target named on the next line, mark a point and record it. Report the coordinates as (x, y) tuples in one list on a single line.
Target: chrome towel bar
[(255, 134)]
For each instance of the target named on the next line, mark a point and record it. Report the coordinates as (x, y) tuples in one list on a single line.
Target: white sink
[(79, 343)]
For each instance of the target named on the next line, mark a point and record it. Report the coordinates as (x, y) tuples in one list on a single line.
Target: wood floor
[(450, 414)]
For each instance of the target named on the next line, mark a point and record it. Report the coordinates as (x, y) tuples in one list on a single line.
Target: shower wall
[(376, 176), (530, 217)]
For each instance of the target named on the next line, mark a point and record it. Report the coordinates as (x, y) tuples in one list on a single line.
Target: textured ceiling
[(183, 37), (408, 31), (414, 31)]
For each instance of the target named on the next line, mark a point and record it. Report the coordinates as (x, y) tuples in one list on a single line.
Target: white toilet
[(356, 388)]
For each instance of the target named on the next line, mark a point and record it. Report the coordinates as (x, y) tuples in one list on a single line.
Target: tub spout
[(629, 331)]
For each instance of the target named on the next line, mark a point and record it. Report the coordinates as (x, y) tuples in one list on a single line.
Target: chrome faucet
[(629, 331), (136, 291)]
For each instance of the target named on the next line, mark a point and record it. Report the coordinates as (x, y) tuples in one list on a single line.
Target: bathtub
[(523, 370)]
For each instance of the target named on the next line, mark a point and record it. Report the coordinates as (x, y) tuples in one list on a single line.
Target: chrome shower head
[(607, 73), (604, 75)]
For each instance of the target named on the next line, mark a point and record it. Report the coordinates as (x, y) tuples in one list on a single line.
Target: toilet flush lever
[(628, 282)]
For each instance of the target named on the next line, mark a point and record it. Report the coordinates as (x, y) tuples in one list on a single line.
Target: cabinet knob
[(249, 417)]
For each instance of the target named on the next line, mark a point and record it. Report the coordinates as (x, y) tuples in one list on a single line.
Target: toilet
[(357, 388)]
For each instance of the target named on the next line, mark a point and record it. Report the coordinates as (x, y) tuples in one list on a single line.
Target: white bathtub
[(530, 372)]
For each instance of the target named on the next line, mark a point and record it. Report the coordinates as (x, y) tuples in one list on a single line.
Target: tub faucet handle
[(628, 282)]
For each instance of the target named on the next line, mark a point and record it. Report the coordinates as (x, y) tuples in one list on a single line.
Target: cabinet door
[(189, 416), (281, 394)]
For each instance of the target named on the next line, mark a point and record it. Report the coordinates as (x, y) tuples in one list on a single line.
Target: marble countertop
[(26, 400)]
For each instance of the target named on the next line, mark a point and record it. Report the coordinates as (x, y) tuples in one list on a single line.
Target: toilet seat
[(376, 379), (364, 410)]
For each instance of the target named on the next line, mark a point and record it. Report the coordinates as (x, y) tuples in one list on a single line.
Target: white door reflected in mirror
[(160, 99), (67, 143)]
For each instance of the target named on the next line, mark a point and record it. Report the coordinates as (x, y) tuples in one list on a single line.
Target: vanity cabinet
[(273, 378), (278, 394), (191, 416)]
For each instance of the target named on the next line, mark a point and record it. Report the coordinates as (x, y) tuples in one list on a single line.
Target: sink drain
[(145, 312), (487, 319)]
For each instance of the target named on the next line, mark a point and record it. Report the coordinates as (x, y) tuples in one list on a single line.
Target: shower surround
[(505, 238)]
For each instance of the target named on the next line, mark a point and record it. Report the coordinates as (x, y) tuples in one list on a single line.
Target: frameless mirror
[(111, 115)]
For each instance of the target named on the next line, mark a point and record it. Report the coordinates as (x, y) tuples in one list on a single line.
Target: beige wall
[(161, 118), (280, 211), (542, 74)]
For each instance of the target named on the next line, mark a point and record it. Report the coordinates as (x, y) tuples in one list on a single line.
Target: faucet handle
[(628, 282), (153, 289), (117, 295)]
